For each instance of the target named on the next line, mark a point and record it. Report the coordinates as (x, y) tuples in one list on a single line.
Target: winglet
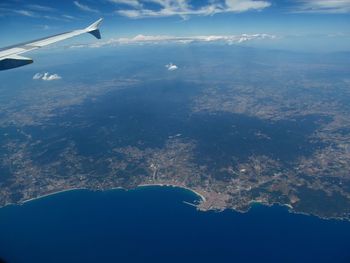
[(93, 29)]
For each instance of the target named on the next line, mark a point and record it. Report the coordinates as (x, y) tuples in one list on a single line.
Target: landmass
[(280, 136)]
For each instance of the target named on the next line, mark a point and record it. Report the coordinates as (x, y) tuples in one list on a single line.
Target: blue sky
[(297, 24)]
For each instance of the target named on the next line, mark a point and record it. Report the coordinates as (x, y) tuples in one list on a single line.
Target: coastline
[(291, 210), (49, 194), (202, 198)]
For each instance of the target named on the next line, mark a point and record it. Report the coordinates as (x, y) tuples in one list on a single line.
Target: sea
[(159, 224)]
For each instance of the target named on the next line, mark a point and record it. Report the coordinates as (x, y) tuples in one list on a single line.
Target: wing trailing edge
[(14, 61)]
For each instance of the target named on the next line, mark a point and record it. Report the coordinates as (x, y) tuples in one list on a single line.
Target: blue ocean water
[(153, 224)]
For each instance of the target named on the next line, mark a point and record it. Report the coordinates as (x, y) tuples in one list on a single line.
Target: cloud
[(171, 67), (84, 7), (37, 76), (163, 39), (45, 27), (46, 76), (184, 9), (245, 5), (51, 77), (40, 8), (69, 17), (323, 6), (36, 11), (132, 3), (25, 13)]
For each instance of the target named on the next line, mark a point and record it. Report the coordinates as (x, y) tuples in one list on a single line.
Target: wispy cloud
[(40, 8), (69, 17), (323, 6), (85, 7), (44, 27), (36, 11), (25, 13), (184, 9), (161, 39), (46, 76), (132, 3)]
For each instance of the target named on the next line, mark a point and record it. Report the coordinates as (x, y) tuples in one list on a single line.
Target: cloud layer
[(163, 8), (34, 11), (323, 6), (163, 39)]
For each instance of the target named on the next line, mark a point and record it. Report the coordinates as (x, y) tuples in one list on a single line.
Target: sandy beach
[(115, 188)]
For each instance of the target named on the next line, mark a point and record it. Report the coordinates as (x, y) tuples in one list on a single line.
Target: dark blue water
[(154, 225)]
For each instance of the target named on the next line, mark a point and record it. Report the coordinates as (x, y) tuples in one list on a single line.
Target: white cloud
[(51, 77), (245, 5), (25, 13), (171, 67), (132, 3), (323, 6), (84, 7), (69, 17), (37, 76), (36, 11), (40, 8), (46, 76), (163, 39), (184, 9)]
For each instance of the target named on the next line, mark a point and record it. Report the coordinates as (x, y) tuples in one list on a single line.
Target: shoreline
[(291, 210), (47, 195), (202, 198)]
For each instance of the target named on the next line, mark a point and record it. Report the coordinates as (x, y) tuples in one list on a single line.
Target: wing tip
[(95, 25), (93, 29)]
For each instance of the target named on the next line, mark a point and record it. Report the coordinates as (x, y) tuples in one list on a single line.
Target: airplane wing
[(10, 56)]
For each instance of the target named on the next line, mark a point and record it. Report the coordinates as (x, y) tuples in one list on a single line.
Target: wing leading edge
[(10, 56)]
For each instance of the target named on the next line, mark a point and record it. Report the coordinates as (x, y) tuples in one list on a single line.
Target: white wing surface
[(10, 56)]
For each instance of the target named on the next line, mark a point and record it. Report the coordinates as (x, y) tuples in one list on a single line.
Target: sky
[(310, 25)]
